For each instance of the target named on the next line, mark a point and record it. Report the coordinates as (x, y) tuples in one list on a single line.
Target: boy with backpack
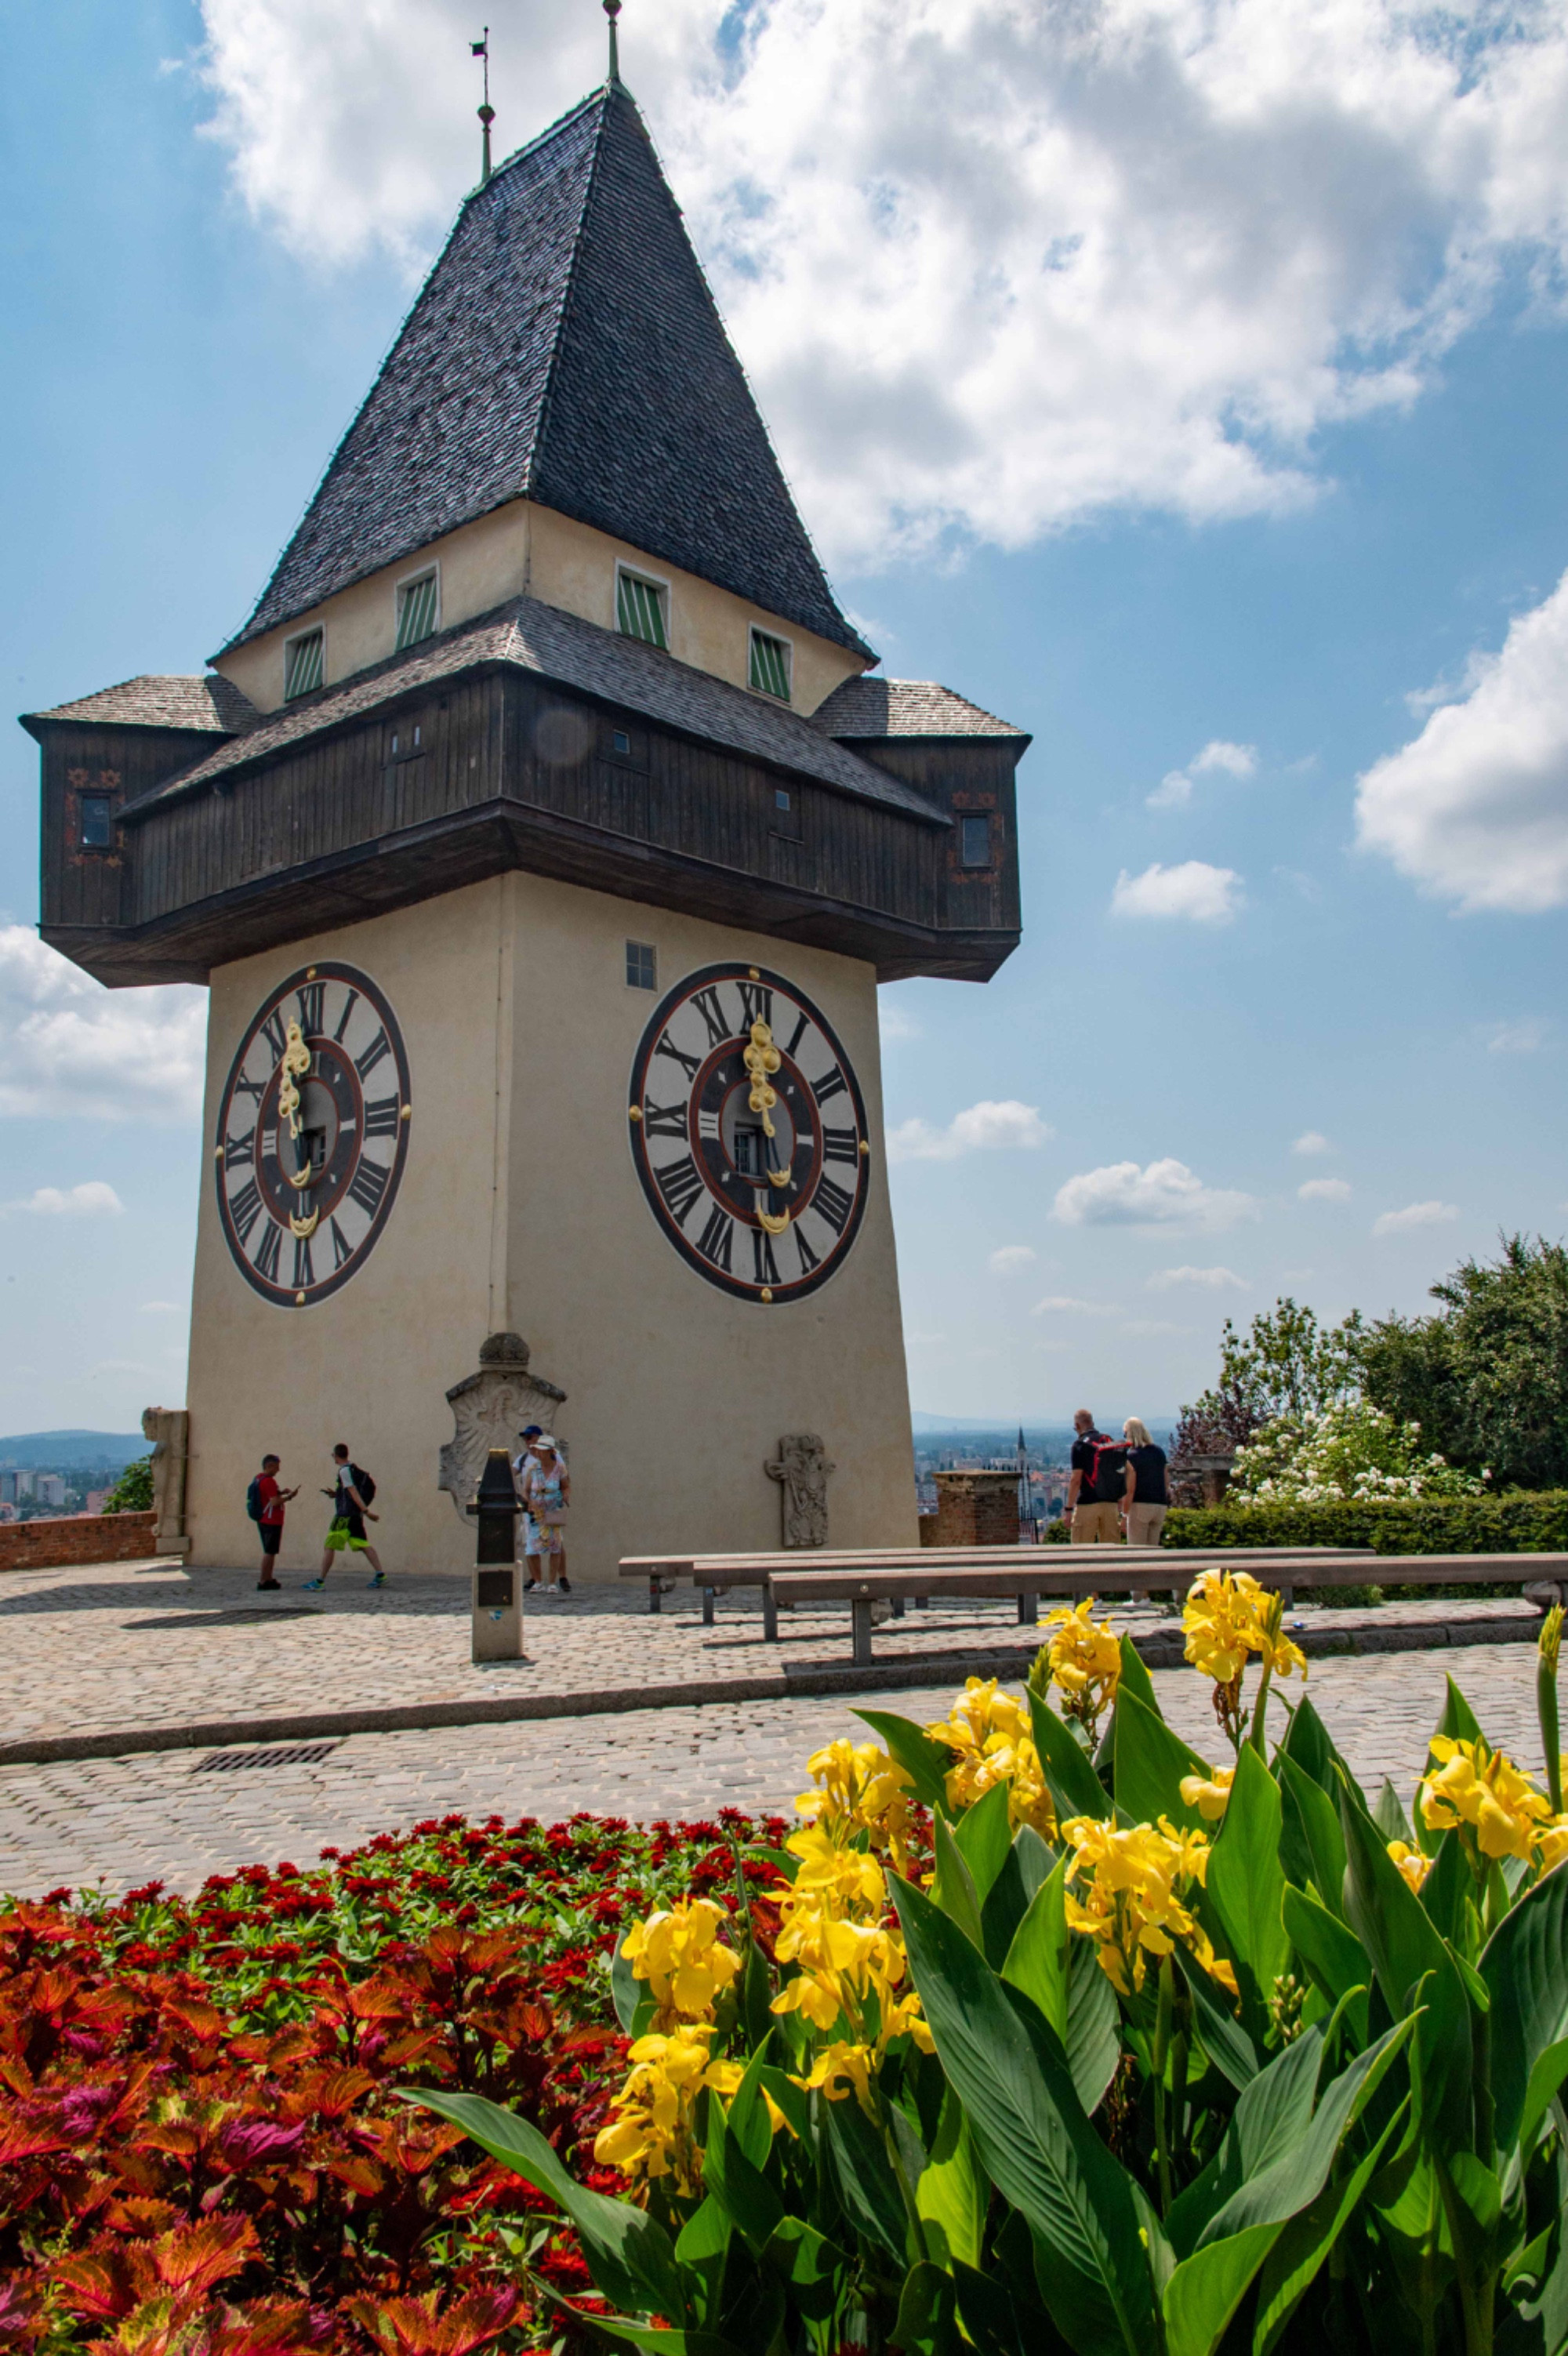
[(350, 1498), (1096, 1478), (265, 1503)]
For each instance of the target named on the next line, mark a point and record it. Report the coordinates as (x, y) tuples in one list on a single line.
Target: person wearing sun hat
[(523, 1464), (547, 1497)]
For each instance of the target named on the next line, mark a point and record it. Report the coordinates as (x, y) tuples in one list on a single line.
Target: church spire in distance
[(482, 49), (612, 10)]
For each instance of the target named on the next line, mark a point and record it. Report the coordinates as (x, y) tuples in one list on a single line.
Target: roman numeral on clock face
[(304, 1271), (764, 1267), (690, 1065), (367, 1186), (834, 1203), (275, 1031), (245, 1209), (755, 1003), (342, 1249), (832, 1084), (381, 1118), (312, 997), (667, 1120), (238, 1150), (717, 1237), (706, 1003), (841, 1145), (267, 1251), (680, 1185), (366, 1063), (348, 1005)]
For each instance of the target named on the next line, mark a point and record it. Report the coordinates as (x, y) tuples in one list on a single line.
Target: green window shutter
[(639, 610), (769, 666), (415, 611), (302, 664)]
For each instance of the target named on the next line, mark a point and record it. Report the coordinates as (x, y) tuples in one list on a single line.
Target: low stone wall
[(48, 1545), (976, 1509)]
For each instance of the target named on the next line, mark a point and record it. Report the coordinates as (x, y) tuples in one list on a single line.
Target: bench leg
[(860, 1631), (1028, 1611), (707, 1607), (654, 1591), (897, 1607), (769, 1614), (1287, 1596), (922, 1602)]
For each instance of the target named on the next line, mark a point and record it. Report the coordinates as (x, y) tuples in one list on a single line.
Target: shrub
[(1534, 1524), (1348, 1454), (132, 1491)]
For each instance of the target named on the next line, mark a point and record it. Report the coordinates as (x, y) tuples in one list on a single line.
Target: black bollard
[(497, 1614)]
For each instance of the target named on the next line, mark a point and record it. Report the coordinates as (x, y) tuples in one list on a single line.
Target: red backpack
[(1106, 1470)]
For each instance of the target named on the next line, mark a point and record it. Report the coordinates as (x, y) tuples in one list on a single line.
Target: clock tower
[(542, 838)]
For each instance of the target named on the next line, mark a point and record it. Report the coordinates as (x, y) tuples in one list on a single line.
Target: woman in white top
[(547, 1494)]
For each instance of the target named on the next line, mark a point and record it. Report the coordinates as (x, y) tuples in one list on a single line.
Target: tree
[(1487, 1378), (132, 1491), (1287, 1365)]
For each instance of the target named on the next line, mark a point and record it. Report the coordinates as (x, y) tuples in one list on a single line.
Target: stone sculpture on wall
[(801, 1470), (488, 1410), (168, 1429)]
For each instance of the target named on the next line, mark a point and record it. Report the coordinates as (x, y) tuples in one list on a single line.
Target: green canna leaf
[(953, 1890), (1076, 1790), (984, 1835), (1313, 1846), (1413, 1967), (1149, 1763), (1523, 1966), (1246, 1886), (953, 2194), (924, 1762)]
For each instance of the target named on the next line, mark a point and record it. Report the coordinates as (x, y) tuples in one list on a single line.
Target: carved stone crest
[(801, 1470), (488, 1410), (168, 1429)]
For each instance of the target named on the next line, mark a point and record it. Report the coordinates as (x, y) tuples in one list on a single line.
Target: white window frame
[(412, 580), (660, 588), (775, 637), (316, 630)]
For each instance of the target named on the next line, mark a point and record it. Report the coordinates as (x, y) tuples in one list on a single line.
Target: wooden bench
[(716, 1574)]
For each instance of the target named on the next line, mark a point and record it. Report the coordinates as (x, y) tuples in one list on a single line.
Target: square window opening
[(780, 799), (769, 667), (641, 966), (975, 842), (303, 664), (97, 822), (621, 741), (642, 609), (415, 610)]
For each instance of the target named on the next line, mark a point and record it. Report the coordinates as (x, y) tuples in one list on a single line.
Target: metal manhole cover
[(279, 1754)]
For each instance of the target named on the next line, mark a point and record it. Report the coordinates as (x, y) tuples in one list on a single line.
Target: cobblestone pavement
[(117, 1646), (172, 1816)]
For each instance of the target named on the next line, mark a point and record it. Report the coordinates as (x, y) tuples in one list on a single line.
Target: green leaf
[(1149, 1763), (1246, 1886), (733, 2179), (870, 2197), (1135, 1679), (812, 2267), (1294, 2263), (987, 2313), (925, 2324), (1076, 1790), (1545, 2079), (701, 2252), (1059, 1971), (1313, 1848), (627, 1990), (1205, 2289), (1284, 2181), (1036, 1961), (628, 2252), (657, 2341), (1308, 1745), (1094, 2024), (1224, 2038), (1524, 1969), (984, 1837), (748, 2120), (1413, 1967), (952, 2193), (953, 1890), (1034, 2140), (1390, 1817), (1269, 2119), (925, 1762), (1333, 1955), (1026, 1866)]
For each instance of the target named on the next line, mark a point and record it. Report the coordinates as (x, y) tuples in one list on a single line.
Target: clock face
[(748, 1133), (312, 1134)]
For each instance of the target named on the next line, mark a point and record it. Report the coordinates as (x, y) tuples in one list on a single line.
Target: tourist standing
[(350, 1495), (547, 1497), (265, 1504), (523, 1464), (1095, 1485), (1147, 1492)]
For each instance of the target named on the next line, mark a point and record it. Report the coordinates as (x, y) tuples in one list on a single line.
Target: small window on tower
[(96, 822), (641, 966), (301, 664), (415, 610), (771, 665), (642, 608), (975, 842)]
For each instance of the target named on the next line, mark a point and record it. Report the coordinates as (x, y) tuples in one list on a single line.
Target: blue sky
[(1260, 513)]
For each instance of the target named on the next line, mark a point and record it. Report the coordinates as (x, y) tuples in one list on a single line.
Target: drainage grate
[(281, 1754)]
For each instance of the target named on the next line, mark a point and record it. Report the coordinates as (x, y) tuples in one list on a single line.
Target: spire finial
[(612, 10), (482, 49)]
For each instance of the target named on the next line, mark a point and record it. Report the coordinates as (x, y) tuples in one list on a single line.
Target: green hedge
[(1537, 1524)]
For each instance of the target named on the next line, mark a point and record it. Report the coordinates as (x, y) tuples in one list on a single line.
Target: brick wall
[(46, 1545), (977, 1509)]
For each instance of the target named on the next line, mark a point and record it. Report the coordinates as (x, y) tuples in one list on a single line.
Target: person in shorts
[(1147, 1494), (547, 1493), (270, 1503), (350, 1515), (523, 1464), (1094, 1520)]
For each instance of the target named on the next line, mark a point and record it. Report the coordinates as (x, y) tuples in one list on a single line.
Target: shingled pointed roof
[(565, 348), (212, 704), (906, 707)]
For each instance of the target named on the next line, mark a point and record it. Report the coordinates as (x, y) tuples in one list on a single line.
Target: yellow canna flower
[(677, 1952), (1477, 1788), (1084, 1657), (988, 1732), (1210, 1793), (861, 1787), (1127, 1889), (1414, 1863), (843, 2069), (651, 2134)]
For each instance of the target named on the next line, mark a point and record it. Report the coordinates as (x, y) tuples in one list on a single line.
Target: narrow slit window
[(641, 966), (975, 842), (415, 610), (771, 665), (96, 822), (301, 664), (640, 609)]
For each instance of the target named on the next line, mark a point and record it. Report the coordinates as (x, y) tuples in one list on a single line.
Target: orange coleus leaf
[(204, 2021), (196, 2256), (268, 2327), (421, 2327), (359, 2172)]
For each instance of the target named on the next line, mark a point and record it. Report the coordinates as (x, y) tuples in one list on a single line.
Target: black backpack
[(365, 1486), (253, 1499), (1108, 1471)]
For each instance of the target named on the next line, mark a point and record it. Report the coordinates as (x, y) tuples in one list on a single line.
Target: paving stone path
[(114, 1647)]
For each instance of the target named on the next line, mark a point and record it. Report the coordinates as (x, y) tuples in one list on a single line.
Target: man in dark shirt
[(1093, 1520), (350, 1513)]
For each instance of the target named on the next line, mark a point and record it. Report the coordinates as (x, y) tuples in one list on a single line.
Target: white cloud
[(1011, 1257), (1526, 1038), (1475, 810), (1164, 1195), (1415, 1215), (68, 1046), (1193, 890), (1311, 1141), (1217, 1280), (1324, 1190), (95, 1199), (984, 1127), (1062, 1304), (896, 1022), (990, 268), (1235, 760), (1173, 792)]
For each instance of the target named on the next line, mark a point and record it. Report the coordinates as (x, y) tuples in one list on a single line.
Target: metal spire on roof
[(486, 111), (612, 10)]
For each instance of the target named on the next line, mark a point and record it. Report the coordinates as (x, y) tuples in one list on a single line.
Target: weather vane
[(482, 49), (612, 10)]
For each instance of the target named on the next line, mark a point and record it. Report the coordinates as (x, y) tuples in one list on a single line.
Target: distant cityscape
[(62, 1473), (1038, 1454)]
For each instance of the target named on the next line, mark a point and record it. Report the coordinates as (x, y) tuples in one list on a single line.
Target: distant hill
[(91, 1449)]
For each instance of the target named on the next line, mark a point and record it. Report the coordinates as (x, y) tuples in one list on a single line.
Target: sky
[(1182, 381)]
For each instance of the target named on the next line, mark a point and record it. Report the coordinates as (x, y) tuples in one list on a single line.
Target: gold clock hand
[(295, 1060), (773, 1222), (303, 1227), (760, 1059)]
